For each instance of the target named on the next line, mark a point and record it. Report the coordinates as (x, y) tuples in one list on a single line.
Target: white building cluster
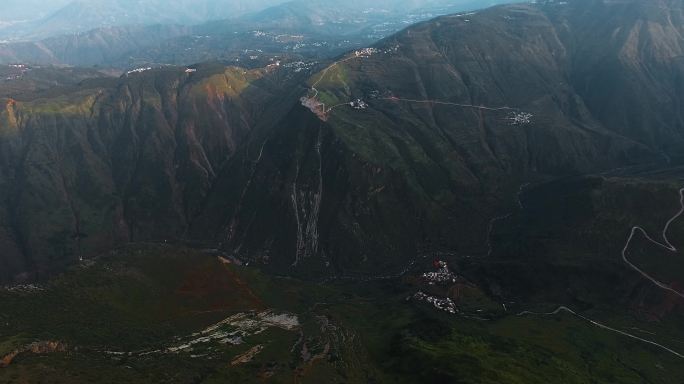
[(520, 118), (23, 288), (358, 104), (138, 70), (365, 52), (299, 66), (446, 305), (442, 275), (23, 68)]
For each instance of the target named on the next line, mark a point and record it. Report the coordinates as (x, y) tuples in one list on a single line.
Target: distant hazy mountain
[(42, 20), (332, 16), (323, 27), (84, 15), (100, 46)]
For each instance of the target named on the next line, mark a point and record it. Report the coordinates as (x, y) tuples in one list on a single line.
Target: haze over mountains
[(55, 18), (134, 34), (83, 15)]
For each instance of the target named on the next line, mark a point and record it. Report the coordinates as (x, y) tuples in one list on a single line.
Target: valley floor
[(163, 314)]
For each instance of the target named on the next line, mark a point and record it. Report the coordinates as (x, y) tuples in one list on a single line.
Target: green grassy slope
[(147, 298)]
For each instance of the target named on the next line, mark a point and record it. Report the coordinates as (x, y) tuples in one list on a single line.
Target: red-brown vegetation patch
[(217, 287)]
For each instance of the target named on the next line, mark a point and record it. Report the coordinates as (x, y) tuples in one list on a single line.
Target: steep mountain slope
[(461, 111), (454, 115), (628, 70), (122, 160)]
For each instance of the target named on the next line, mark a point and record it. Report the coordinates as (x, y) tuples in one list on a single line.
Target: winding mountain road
[(326, 111), (666, 244), (603, 326), (439, 102)]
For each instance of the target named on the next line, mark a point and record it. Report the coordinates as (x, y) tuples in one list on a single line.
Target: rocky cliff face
[(453, 116)]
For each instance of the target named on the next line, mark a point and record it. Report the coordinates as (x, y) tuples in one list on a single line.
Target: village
[(187, 70), (442, 275), (319, 108), (138, 70), (520, 118), (16, 71), (299, 66), (443, 304)]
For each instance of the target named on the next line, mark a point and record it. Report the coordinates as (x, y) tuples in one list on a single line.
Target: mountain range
[(132, 38), (83, 15), (461, 110), (314, 193)]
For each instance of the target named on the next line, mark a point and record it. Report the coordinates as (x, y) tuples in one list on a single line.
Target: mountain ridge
[(316, 198)]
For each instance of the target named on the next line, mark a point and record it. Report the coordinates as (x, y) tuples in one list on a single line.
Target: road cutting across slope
[(602, 326)]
